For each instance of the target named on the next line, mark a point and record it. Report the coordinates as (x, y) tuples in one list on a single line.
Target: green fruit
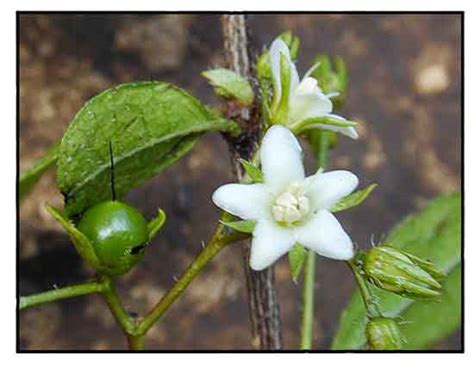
[(118, 233)]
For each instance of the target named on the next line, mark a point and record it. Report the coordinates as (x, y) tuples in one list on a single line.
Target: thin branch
[(263, 304), (218, 241), (58, 294)]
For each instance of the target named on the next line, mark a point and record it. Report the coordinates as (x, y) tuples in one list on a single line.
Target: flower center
[(292, 205)]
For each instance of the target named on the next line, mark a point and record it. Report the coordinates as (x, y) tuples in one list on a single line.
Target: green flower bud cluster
[(402, 273), (383, 334)]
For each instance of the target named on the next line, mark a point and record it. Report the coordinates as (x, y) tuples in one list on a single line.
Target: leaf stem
[(307, 313), (218, 241), (58, 294), (369, 300)]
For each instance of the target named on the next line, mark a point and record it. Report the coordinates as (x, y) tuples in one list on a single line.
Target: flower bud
[(383, 334), (402, 273)]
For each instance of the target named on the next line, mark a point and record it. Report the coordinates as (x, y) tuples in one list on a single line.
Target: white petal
[(281, 158), (280, 49), (308, 85), (308, 105), (248, 201), (324, 235), (269, 243), (325, 189)]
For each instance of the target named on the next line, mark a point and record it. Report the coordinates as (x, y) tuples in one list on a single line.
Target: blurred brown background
[(404, 87)]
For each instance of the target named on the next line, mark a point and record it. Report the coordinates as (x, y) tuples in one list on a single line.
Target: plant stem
[(262, 300), (218, 241), (112, 299), (369, 300), (308, 302), (58, 294), (307, 314), (136, 342)]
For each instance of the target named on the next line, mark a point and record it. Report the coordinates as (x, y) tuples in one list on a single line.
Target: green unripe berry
[(118, 234)]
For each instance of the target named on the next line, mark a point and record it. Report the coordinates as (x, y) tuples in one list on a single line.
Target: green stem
[(307, 314), (218, 241), (369, 300), (115, 305), (308, 302), (136, 342), (58, 294)]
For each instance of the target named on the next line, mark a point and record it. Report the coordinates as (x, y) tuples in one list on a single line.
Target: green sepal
[(383, 334), (281, 107), (353, 199), (427, 266), (230, 85), (82, 244), (30, 176), (156, 224), (253, 172), (311, 123), (296, 259), (243, 226), (292, 41)]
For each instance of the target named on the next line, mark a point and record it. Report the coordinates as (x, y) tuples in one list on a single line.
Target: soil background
[(405, 89)]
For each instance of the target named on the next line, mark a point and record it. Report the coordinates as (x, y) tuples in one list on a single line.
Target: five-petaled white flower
[(287, 207), (305, 99)]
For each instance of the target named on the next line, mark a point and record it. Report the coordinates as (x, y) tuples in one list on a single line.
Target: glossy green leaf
[(434, 234), (83, 246), (230, 85), (156, 224), (150, 126), (296, 258), (31, 176), (353, 199), (243, 226), (253, 172)]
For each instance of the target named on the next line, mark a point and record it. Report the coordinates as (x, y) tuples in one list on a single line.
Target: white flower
[(305, 99), (289, 208)]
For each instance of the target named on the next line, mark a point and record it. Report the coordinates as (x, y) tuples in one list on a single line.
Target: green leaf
[(230, 85), (353, 199), (156, 224), (31, 176), (81, 243), (150, 126), (243, 226), (434, 234), (254, 173), (296, 258)]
